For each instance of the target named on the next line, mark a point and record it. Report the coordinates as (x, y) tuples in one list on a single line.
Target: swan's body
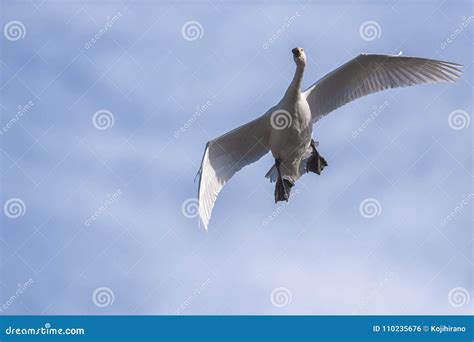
[(286, 129), (291, 144)]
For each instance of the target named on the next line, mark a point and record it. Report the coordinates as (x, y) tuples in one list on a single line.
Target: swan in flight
[(286, 129)]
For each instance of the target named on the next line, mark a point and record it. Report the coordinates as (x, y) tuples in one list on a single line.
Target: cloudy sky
[(106, 107)]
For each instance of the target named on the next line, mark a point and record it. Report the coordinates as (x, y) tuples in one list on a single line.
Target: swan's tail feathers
[(272, 174), (316, 163)]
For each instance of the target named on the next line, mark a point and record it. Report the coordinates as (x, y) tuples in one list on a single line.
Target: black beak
[(296, 52)]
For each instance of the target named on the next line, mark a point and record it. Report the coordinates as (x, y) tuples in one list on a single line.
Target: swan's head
[(299, 55)]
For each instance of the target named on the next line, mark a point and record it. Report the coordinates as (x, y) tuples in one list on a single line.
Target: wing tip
[(202, 224)]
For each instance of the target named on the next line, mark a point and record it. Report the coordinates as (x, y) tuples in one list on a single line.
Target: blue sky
[(101, 228)]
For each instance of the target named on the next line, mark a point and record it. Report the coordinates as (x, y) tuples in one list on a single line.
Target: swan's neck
[(296, 82)]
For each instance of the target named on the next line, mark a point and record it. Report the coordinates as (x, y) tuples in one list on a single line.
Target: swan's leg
[(316, 163), (283, 186)]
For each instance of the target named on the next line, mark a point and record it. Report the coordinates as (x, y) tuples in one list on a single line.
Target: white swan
[(286, 129)]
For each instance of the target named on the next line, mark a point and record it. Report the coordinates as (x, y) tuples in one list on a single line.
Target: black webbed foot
[(282, 186), (282, 190), (316, 163)]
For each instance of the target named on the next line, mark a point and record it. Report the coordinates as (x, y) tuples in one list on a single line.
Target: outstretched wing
[(367, 74), (225, 156)]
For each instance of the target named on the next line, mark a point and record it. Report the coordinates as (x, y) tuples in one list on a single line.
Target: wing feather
[(226, 155), (367, 74)]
